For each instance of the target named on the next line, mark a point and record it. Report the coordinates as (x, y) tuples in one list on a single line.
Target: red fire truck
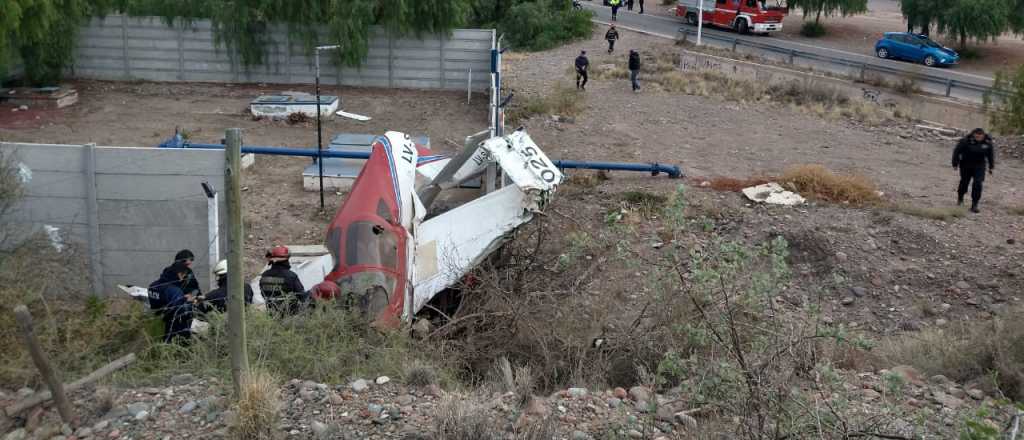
[(744, 16)]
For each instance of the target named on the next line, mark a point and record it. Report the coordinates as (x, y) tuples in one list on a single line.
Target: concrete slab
[(280, 106)]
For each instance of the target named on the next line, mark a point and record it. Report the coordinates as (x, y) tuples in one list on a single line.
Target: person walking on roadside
[(582, 64), (641, 4), (629, 5), (634, 69), (612, 36), (971, 155), (615, 8)]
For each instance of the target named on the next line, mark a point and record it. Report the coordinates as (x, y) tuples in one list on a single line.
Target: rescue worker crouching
[(173, 295), (281, 287), (217, 299)]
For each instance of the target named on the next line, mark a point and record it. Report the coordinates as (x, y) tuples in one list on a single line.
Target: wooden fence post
[(24, 318)]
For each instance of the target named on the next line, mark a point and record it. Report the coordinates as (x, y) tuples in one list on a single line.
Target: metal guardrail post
[(792, 55), (735, 42), (949, 86), (863, 70)]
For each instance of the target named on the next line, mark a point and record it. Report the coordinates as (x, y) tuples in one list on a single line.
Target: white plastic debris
[(773, 194), (383, 380), (24, 173), (352, 115), (53, 233)]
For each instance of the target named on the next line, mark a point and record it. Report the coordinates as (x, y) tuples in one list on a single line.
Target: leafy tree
[(1007, 113), (533, 24), (979, 19), (922, 14), (1017, 16), (818, 8)]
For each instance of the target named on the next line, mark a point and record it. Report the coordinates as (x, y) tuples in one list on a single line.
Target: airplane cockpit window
[(333, 245), (370, 244)]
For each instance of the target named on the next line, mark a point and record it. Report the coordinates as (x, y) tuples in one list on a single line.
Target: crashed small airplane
[(388, 256), (387, 253)]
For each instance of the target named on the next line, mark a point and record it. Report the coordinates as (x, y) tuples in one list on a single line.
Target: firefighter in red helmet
[(281, 287)]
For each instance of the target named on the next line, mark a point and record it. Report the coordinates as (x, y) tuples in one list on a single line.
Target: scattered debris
[(773, 194), (352, 116)]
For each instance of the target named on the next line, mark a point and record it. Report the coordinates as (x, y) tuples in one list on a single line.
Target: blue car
[(916, 48)]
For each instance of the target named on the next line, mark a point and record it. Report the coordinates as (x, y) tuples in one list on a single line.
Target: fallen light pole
[(672, 171), (319, 131)]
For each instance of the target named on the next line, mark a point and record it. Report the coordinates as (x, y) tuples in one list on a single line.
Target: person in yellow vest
[(615, 8)]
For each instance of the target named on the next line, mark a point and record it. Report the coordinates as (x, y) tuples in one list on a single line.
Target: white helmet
[(221, 268)]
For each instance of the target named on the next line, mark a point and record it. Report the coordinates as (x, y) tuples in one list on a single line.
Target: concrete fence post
[(444, 81), (124, 47), (391, 60), (92, 214), (181, 52)]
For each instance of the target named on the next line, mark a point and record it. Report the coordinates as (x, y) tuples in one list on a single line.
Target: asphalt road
[(669, 27)]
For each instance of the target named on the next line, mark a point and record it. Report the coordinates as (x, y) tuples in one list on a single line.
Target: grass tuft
[(818, 182), (420, 375), (944, 213), (257, 409)]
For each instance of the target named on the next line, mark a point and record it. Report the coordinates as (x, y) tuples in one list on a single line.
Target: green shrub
[(326, 344), (543, 24), (812, 29), (1006, 113)]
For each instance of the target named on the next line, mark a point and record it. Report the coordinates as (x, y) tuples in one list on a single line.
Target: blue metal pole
[(653, 168)]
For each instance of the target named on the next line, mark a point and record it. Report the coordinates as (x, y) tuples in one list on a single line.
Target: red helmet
[(278, 253), (326, 290)]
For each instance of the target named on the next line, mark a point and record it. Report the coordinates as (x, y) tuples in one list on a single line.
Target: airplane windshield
[(370, 244)]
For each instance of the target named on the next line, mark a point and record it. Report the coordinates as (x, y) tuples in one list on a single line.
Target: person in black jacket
[(281, 287), (582, 64), (612, 36), (217, 299), (970, 156), (173, 295), (634, 69)]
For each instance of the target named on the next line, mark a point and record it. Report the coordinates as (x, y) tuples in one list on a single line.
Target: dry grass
[(1016, 210), (257, 409), (562, 101), (732, 184), (517, 380), (966, 351), (944, 213), (463, 420), (818, 182), (420, 375)]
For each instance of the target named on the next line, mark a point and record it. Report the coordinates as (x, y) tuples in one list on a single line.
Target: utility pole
[(700, 20), (236, 295), (319, 132)]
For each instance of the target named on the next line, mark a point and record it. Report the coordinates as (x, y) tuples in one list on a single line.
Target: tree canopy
[(965, 19), (43, 32), (828, 8)]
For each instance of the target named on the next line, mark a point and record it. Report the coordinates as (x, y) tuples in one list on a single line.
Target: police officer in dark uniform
[(582, 64), (217, 299), (970, 155), (174, 294), (281, 287)]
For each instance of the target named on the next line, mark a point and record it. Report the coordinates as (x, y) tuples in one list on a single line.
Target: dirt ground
[(859, 34)]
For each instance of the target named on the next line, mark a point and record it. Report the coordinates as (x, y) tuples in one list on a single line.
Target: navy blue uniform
[(971, 157), (167, 298)]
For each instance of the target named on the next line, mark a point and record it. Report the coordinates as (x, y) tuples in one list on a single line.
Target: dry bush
[(257, 409), (78, 330), (945, 213), (298, 118), (967, 351), (561, 101), (818, 182), (462, 419), (419, 374), (807, 92)]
